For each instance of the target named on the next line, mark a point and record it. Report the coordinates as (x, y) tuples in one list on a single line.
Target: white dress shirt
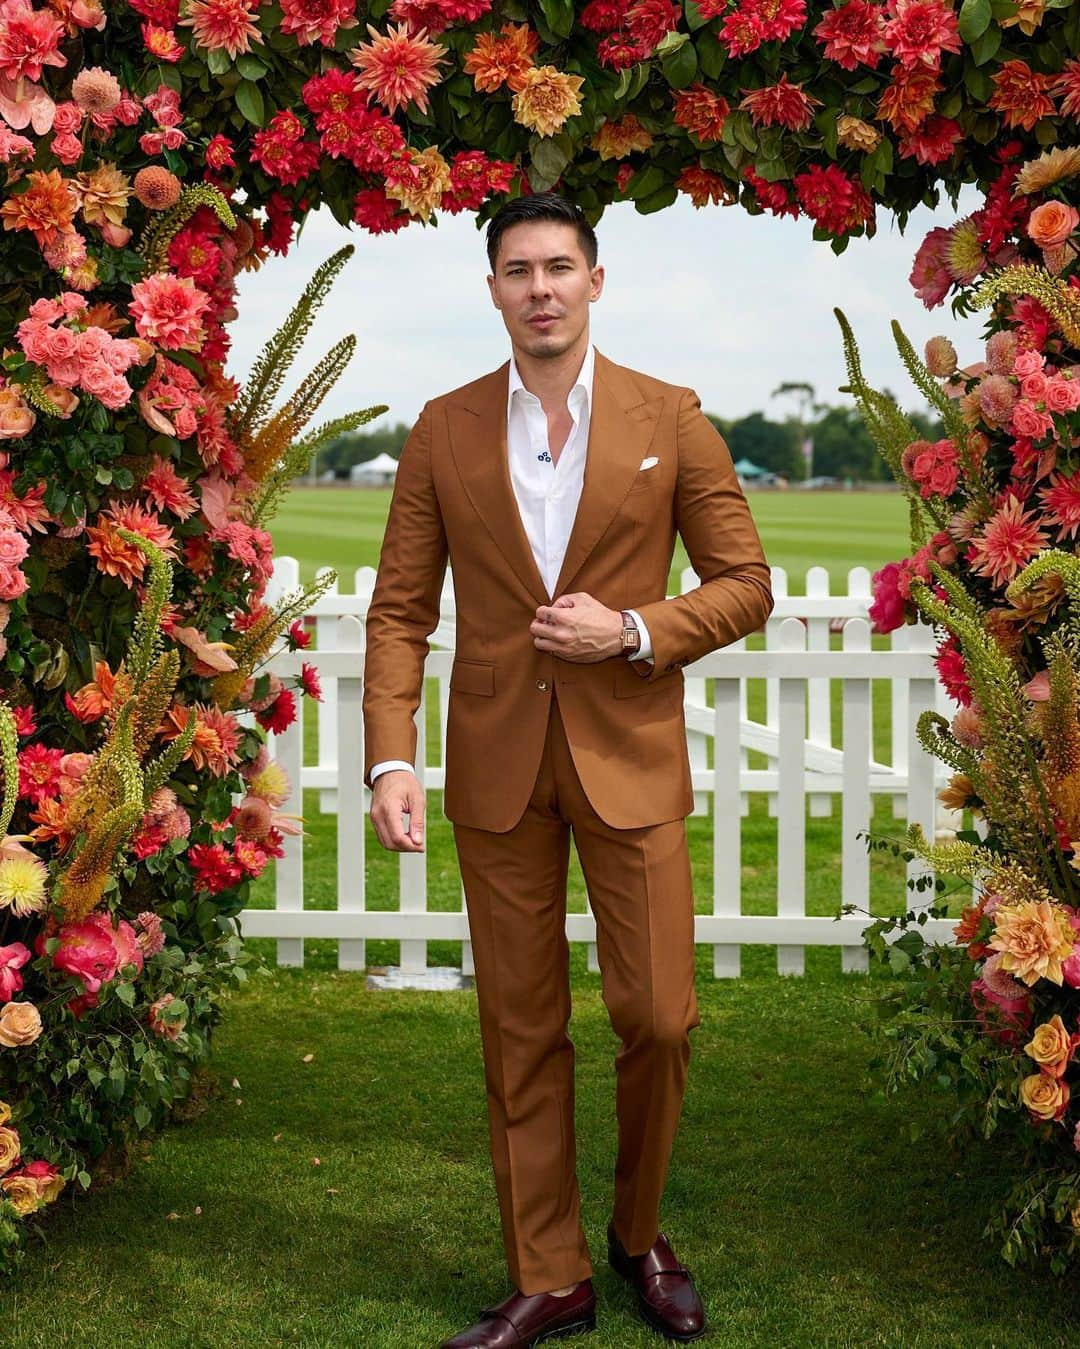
[(546, 492)]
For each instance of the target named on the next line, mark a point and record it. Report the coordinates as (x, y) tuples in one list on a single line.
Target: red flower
[(827, 196), (1067, 85), (280, 150), (781, 104), (952, 671), (280, 714), (373, 209), (298, 637), (24, 720), (219, 154), (647, 21), (852, 34), (933, 142), (773, 197), (39, 772), (309, 680), (741, 33), (921, 31), (214, 869), (603, 16)]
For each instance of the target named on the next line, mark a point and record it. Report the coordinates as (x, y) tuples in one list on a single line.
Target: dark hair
[(540, 206)]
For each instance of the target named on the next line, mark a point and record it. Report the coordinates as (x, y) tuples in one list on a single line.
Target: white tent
[(381, 469)]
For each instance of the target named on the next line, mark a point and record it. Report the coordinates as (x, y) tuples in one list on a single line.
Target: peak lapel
[(478, 446), (621, 425)]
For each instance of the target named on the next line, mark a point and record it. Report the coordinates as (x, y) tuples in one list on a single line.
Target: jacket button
[(542, 684)]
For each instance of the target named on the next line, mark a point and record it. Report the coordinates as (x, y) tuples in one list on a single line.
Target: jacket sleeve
[(714, 522), (404, 608)]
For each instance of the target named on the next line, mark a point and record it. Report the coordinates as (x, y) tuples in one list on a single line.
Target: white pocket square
[(648, 463)]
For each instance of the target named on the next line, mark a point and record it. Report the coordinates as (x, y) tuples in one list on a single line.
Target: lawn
[(346, 1199)]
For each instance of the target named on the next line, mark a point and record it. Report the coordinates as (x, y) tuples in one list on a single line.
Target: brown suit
[(537, 745)]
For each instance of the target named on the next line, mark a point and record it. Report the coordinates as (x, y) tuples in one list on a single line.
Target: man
[(556, 485)]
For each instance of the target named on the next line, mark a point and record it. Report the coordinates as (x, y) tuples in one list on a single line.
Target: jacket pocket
[(472, 676)]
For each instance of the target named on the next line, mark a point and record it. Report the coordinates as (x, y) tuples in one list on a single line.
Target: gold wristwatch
[(631, 637)]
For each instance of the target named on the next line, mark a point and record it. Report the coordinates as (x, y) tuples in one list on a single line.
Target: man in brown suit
[(555, 486)]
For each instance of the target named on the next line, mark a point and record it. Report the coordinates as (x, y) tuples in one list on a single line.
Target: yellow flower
[(1050, 1046), (271, 783), (855, 134), (22, 884), (5, 1112), (23, 1192), (103, 194), (1045, 1096), (421, 185), (1029, 14), (546, 99), (20, 1024), (615, 140), (1050, 167), (1034, 938), (10, 1147)]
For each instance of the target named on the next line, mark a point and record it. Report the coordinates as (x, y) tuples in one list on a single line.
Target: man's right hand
[(396, 793)]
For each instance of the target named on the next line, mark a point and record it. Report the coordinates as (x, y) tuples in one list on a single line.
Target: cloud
[(729, 304)]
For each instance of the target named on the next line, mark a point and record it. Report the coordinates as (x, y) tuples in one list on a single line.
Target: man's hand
[(577, 628), (396, 793)]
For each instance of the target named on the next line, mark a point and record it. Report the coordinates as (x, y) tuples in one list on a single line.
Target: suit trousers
[(640, 893)]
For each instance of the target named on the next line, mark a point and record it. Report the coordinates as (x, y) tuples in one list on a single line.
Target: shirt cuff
[(644, 651), (386, 766)]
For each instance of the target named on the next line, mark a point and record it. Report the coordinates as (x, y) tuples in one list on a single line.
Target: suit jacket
[(624, 720)]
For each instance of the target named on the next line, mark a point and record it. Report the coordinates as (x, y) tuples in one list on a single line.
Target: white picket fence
[(801, 674)]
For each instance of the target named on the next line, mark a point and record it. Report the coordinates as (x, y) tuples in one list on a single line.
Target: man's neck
[(552, 378)]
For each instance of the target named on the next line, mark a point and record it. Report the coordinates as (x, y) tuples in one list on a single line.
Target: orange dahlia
[(703, 186), (909, 100), (497, 60), (615, 140), (1021, 94), (701, 112), (397, 67), (156, 188), (102, 194), (546, 99), (46, 208), (115, 556)]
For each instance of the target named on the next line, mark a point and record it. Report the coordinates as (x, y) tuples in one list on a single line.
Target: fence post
[(412, 872), (855, 798), (818, 691), (697, 746), (921, 793), (728, 695), (326, 635), (772, 686), (351, 825), (791, 794), (288, 749)]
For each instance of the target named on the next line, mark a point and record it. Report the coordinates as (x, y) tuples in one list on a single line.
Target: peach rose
[(1045, 1096), (1052, 223), (10, 1147), (65, 399), (1062, 395), (16, 419), (20, 1024), (1051, 1046)]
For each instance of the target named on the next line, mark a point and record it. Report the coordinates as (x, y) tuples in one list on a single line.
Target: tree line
[(840, 445)]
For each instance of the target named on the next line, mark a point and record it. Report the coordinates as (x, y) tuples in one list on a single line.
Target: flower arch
[(155, 149)]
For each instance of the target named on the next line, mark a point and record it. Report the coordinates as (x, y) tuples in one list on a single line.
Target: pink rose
[(1062, 395), (186, 425), (12, 959), (1034, 386), (12, 583), (1029, 421), (1027, 362), (67, 148), (116, 394), (93, 342), (46, 310), (93, 950), (888, 608), (63, 344), (116, 236), (13, 547), (943, 479), (924, 463), (33, 338), (96, 375)]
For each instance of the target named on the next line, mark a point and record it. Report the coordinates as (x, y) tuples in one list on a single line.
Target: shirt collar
[(584, 380)]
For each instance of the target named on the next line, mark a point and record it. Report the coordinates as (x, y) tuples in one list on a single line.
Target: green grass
[(342, 528), (795, 1196)]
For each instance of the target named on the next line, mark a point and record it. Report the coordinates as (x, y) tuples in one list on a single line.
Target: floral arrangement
[(995, 509)]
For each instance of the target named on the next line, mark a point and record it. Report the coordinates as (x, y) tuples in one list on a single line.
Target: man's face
[(541, 270)]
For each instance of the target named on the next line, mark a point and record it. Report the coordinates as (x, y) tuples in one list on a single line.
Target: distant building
[(377, 472)]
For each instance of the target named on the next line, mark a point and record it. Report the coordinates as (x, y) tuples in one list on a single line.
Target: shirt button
[(542, 684)]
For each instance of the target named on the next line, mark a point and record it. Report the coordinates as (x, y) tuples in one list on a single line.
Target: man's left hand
[(577, 628)]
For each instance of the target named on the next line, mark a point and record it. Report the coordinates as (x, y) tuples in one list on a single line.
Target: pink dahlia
[(222, 25), (852, 34), (29, 41), (781, 104), (397, 67), (1009, 541), (920, 31), (317, 20), (168, 310), (929, 274)]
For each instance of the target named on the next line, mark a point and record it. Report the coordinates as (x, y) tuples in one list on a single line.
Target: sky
[(729, 304)]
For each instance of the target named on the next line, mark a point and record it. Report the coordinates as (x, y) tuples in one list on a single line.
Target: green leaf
[(645, 182), (249, 100), (142, 1115), (671, 42), (694, 21), (548, 157), (217, 61), (680, 68), (250, 66), (975, 18), (656, 201), (985, 47), (559, 15)]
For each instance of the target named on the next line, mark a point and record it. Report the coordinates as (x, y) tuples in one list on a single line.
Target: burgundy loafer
[(667, 1298), (522, 1320)]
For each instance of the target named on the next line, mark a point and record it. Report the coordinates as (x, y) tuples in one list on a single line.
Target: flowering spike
[(154, 245)]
